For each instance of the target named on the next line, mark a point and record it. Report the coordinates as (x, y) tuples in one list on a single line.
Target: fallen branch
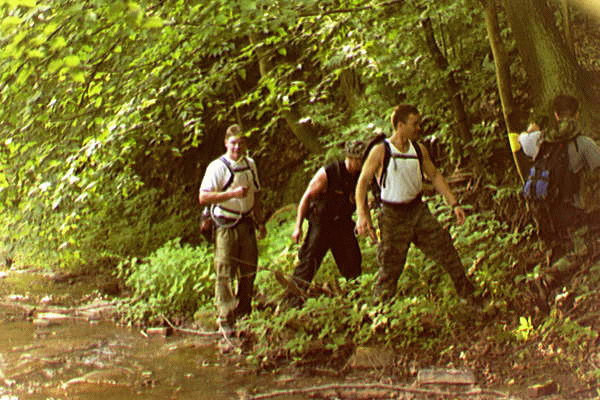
[(370, 386), (191, 331)]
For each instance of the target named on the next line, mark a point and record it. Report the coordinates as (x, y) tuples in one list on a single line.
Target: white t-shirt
[(582, 151), (530, 143), (245, 174), (403, 180)]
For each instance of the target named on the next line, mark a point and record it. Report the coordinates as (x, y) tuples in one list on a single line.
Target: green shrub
[(174, 280)]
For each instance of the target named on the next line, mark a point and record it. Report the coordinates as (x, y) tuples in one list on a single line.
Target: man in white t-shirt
[(230, 187)]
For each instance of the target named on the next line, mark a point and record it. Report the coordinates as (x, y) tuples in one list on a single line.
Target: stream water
[(75, 358)]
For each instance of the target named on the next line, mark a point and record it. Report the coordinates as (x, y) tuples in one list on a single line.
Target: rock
[(160, 331), (543, 389), (18, 297), (51, 316), (445, 376), (446, 379), (112, 376), (43, 323), (372, 357)]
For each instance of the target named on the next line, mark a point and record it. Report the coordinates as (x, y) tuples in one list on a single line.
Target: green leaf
[(71, 61), (78, 77), (36, 53), (11, 22), (54, 65), (153, 22), (58, 43), (24, 3)]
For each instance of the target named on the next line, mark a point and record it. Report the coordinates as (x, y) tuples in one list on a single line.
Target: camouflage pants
[(402, 225), (236, 257)]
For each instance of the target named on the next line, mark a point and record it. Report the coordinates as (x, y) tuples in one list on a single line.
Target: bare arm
[(316, 187), (440, 184), (370, 169)]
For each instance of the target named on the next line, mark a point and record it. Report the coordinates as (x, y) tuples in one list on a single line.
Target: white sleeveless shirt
[(403, 180)]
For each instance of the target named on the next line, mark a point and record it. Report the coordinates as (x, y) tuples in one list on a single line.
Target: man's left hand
[(262, 231)]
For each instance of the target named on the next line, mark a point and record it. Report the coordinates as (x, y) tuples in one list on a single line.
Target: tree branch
[(371, 386)]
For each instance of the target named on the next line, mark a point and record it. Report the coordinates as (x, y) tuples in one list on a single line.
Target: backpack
[(547, 187), (329, 206), (207, 223), (376, 184)]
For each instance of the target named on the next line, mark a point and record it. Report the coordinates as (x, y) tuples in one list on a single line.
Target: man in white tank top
[(403, 217)]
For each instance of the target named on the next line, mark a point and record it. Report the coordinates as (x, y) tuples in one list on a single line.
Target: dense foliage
[(112, 109)]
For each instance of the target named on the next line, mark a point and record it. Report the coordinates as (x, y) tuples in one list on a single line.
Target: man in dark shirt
[(328, 204)]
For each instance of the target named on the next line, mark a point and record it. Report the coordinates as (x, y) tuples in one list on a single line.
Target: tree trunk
[(566, 16), (453, 88), (504, 81), (550, 64)]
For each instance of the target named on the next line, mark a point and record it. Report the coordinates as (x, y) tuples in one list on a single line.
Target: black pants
[(322, 235)]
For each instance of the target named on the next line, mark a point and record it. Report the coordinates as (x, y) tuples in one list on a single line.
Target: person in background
[(230, 186), (570, 230)]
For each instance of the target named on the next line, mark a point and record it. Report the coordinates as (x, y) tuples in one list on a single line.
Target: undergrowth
[(425, 316)]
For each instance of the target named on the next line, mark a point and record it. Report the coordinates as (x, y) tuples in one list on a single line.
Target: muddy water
[(78, 358)]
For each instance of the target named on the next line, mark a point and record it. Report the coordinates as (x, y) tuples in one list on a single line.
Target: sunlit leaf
[(78, 77), (153, 22), (11, 21), (36, 53), (58, 43), (71, 61), (24, 3)]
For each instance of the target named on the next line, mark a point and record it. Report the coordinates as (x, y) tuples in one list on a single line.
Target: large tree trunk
[(550, 64)]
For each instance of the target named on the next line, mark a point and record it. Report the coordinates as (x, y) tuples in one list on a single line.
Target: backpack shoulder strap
[(372, 143), (252, 172), (388, 154), (386, 161), (232, 172), (230, 180), (419, 152)]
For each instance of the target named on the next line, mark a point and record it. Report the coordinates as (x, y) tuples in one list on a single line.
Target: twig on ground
[(370, 386), (190, 331)]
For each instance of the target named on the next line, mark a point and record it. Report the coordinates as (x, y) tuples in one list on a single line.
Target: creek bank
[(52, 360)]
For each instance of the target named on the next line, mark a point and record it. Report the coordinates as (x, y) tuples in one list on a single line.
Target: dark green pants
[(402, 225), (236, 257)]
